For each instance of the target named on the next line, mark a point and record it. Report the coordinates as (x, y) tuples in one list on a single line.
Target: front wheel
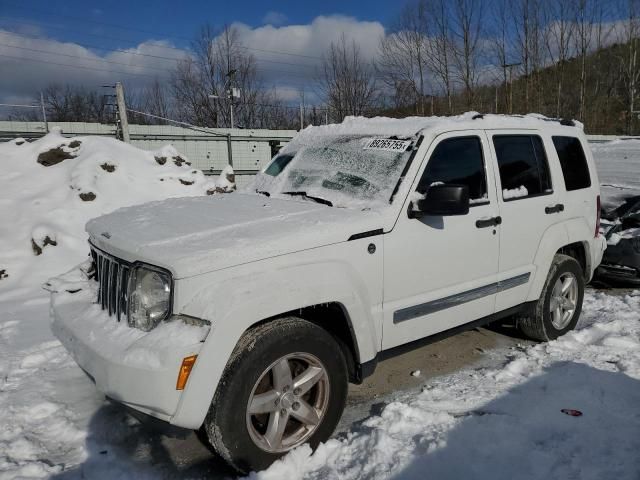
[(558, 309), (285, 385)]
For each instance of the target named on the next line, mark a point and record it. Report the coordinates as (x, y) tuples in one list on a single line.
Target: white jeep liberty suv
[(246, 315)]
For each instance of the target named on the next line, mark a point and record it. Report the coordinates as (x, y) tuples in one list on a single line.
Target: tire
[(543, 324), (254, 374)]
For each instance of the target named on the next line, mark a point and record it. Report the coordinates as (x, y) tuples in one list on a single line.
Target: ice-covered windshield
[(342, 170)]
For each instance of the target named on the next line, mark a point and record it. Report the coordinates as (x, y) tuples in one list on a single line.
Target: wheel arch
[(335, 319), (580, 252)]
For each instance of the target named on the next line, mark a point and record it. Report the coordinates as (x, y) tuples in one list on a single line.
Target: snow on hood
[(196, 235)]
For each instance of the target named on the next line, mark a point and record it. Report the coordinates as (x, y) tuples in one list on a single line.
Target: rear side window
[(457, 161), (573, 162), (524, 171)]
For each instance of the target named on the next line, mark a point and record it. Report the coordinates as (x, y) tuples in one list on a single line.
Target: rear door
[(529, 205), (440, 271)]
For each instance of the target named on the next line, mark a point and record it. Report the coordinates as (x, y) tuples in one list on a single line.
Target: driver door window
[(458, 161)]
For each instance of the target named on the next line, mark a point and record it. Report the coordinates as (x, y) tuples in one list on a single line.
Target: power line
[(82, 58), (76, 66), (85, 20), (159, 57), (14, 105), (95, 47), (145, 67)]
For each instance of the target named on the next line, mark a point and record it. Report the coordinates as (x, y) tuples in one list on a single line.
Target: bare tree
[(155, 99), (521, 12), (584, 19), (500, 46), (467, 19), (439, 48), (629, 63), (558, 40), (72, 104), (347, 81), (403, 56), (219, 64)]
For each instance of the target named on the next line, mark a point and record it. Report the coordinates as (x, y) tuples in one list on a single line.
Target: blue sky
[(177, 21), (91, 43)]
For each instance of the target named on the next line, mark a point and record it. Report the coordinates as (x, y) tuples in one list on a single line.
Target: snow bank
[(618, 165), (51, 187)]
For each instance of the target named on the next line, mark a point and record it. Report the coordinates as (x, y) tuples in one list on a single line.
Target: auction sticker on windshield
[(387, 145)]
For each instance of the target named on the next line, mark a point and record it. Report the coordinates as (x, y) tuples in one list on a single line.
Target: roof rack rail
[(562, 121)]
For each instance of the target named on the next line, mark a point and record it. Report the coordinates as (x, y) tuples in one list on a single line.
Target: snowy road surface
[(502, 419)]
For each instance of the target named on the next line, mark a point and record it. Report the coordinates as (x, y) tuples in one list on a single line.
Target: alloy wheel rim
[(288, 402), (564, 300)]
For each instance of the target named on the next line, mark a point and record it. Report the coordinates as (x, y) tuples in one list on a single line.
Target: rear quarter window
[(575, 169)]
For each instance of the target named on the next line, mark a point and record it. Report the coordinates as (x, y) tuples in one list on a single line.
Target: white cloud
[(40, 61), (313, 39), (274, 18), (29, 64), (291, 56)]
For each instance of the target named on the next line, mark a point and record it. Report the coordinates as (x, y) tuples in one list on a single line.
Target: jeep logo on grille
[(106, 234)]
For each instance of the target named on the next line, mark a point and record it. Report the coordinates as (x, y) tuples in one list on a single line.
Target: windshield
[(341, 170)]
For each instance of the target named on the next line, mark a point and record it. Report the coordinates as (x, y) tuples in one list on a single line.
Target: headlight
[(149, 297)]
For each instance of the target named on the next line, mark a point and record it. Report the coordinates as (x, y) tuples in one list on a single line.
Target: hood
[(195, 235)]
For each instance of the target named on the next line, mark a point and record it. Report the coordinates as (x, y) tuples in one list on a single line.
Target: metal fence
[(206, 149)]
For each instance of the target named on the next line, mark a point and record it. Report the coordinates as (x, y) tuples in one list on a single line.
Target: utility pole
[(122, 113), (44, 113), (510, 67), (301, 117), (232, 92), (302, 109)]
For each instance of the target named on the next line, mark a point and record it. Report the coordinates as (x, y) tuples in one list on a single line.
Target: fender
[(238, 298), (577, 230), (554, 238)]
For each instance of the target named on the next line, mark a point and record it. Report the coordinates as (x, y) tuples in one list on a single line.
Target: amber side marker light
[(185, 371)]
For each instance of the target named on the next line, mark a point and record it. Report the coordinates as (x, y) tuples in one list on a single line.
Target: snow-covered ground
[(502, 421)]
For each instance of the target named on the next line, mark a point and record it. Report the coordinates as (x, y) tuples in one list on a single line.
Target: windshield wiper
[(262, 192), (315, 199)]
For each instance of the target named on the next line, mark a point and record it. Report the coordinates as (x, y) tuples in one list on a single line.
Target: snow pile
[(618, 164), (508, 422), (53, 186)]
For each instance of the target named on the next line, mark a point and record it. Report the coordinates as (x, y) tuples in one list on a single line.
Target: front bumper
[(138, 369)]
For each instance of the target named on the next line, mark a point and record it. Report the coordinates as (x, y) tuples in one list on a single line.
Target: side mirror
[(442, 200)]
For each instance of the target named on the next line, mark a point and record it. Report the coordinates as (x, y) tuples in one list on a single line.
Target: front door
[(440, 271)]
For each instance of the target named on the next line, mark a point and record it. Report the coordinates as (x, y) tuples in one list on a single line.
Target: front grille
[(112, 275)]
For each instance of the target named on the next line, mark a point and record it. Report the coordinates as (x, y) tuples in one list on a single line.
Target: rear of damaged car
[(621, 261)]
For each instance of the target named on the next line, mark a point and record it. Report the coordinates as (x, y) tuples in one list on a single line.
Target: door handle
[(488, 222), (558, 207)]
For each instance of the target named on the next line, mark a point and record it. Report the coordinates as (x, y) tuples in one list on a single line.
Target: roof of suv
[(411, 126)]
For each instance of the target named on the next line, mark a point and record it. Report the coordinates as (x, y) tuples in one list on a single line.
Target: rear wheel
[(285, 385), (558, 308)]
